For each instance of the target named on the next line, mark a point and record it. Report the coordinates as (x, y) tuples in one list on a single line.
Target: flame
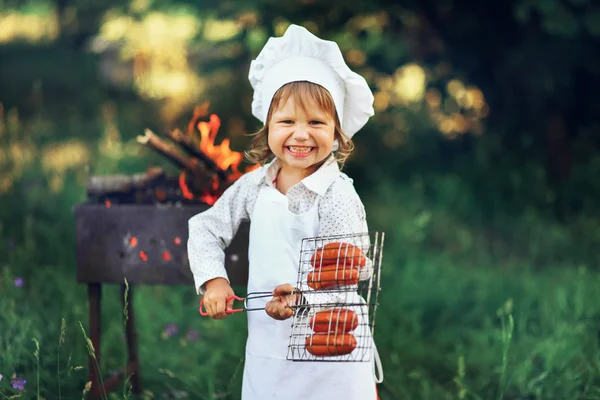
[(222, 155), (207, 198), (185, 190)]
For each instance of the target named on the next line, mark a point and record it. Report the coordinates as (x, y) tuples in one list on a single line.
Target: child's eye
[(316, 122), (287, 121)]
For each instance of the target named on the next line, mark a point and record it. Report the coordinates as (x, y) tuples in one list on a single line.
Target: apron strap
[(377, 367)]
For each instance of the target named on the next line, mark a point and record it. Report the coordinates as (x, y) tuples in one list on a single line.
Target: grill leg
[(133, 364), (95, 313), (132, 369)]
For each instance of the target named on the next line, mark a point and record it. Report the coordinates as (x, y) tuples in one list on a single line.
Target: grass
[(497, 335)]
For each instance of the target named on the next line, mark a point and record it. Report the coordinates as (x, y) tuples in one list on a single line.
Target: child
[(311, 104)]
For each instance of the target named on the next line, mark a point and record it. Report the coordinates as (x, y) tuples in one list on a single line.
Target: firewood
[(160, 146), (100, 185), (188, 144)]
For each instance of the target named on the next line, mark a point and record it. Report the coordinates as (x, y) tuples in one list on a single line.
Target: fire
[(222, 155), (207, 198)]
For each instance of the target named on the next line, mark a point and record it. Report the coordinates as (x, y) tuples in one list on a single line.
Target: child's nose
[(301, 133)]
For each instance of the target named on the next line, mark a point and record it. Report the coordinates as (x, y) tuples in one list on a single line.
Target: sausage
[(338, 253), (336, 319), (330, 344), (331, 275)]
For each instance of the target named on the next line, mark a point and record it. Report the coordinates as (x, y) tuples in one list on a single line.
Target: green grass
[(520, 335)]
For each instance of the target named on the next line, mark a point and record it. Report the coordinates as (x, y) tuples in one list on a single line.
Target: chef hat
[(301, 56)]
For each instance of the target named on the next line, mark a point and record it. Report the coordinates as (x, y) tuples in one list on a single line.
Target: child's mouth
[(299, 151)]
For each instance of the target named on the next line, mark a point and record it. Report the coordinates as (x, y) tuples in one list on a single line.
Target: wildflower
[(0, 377), (18, 383), (19, 281), (192, 335), (170, 330)]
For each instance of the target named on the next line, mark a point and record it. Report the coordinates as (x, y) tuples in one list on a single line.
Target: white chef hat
[(301, 56)]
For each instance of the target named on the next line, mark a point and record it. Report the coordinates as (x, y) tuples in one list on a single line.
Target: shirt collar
[(322, 178), (317, 182)]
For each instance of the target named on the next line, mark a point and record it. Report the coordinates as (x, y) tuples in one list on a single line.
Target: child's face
[(299, 138)]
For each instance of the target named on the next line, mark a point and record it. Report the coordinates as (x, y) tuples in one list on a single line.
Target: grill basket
[(339, 278)]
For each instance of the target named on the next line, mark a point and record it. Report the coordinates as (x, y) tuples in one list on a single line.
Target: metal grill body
[(145, 244), (339, 277)]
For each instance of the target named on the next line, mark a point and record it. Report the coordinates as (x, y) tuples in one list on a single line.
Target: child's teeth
[(301, 149)]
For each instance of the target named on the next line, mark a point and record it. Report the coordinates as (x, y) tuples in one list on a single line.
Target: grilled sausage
[(338, 253), (334, 320), (332, 275), (330, 344)]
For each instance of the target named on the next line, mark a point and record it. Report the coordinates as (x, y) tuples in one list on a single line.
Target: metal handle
[(249, 296), (253, 296), (232, 297)]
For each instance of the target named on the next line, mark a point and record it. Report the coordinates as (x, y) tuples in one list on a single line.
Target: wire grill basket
[(339, 278)]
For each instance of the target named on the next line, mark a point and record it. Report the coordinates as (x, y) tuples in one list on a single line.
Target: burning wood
[(206, 169), (156, 143), (189, 146)]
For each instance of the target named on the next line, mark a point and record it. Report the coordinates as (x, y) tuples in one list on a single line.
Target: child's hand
[(283, 298), (215, 298)]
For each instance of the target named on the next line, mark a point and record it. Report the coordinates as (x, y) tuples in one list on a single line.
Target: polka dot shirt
[(340, 212)]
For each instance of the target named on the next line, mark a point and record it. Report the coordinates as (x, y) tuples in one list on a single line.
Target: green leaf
[(559, 21), (591, 21), (256, 39), (522, 10), (548, 6)]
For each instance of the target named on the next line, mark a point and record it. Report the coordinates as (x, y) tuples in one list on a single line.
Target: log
[(156, 143), (191, 147), (99, 185)]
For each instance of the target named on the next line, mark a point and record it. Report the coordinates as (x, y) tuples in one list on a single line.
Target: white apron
[(275, 238)]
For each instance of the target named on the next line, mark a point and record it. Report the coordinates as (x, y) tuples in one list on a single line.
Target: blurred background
[(481, 165)]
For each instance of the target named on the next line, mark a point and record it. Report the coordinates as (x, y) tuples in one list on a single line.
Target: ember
[(207, 168)]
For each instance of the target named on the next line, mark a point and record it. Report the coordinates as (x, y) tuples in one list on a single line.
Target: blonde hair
[(303, 93)]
